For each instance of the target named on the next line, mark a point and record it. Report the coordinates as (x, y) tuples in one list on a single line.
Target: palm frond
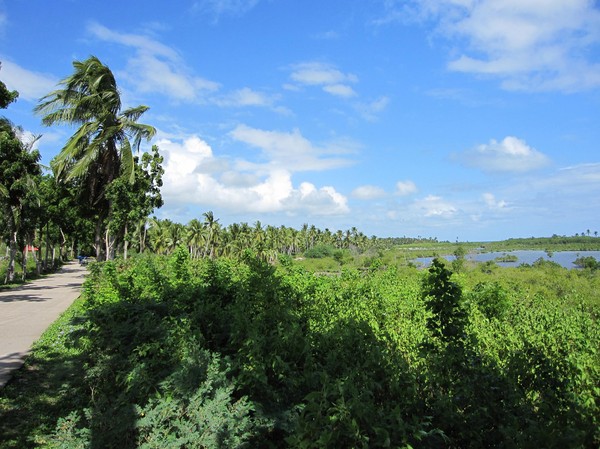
[(127, 163), (133, 114), (81, 167)]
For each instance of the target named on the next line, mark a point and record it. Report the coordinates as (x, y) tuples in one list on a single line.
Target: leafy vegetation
[(18, 167), (97, 198), (245, 335), (101, 150), (587, 262), (506, 258), (175, 352)]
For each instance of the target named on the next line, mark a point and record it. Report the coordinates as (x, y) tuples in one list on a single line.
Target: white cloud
[(509, 155), (332, 80), (143, 43), (245, 97), (340, 90), (435, 206), (573, 180), (193, 174), (318, 73), (156, 67), (404, 188), (327, 35), (530, 45), (322, 201), (290, 150), (370, 111), (30, 85), (492, 203), (368, 192), (225, 7)]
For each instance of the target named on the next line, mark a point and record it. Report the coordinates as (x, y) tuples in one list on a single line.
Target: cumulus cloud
[(531, 45), (156, 67), (492, 203), (30, 85), (321, 201), (193, 174), (368, 192), (404, 188), (435, 206), (291, 150), (331, 80), (509, 155)]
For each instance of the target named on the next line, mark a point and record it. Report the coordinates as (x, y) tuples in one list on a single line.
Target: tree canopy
[(102, 148)]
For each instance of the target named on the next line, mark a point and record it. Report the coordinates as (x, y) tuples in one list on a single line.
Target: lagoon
[(563, 258)]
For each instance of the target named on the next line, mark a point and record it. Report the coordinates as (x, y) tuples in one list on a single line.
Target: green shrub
[(319, 252), (588, 262), (491, 298), (169, 352)]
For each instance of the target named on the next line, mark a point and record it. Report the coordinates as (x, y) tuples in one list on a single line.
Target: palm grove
[(98, 196)]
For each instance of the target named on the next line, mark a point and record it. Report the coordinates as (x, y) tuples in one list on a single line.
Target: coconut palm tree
[(101, 149), (212, 230), (159, 235), (195, 237)]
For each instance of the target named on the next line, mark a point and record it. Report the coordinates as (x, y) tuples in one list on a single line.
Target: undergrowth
[(173, 353)]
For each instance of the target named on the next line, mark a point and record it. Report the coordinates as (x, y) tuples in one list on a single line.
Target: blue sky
[(468, 119)]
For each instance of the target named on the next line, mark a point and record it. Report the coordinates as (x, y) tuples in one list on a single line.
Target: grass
[(31, 273), (36, 396)]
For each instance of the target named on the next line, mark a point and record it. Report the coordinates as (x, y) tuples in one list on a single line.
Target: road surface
[(27, 311)]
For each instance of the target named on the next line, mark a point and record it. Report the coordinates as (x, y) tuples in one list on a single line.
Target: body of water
[(563, 258)]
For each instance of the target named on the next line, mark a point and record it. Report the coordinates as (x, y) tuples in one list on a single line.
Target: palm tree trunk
[(24, 254), (110, 241), (63, 243), (12, 231), (125, 244), (47, 246), (99, 241), (143, 238), (10, 270), (39, 260), (38, 264)]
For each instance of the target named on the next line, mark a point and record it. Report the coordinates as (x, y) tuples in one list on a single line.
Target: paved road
[(26, 312)]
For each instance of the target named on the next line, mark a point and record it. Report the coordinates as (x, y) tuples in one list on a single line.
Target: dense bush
[(225, 354), (319, 252), (587, 262)]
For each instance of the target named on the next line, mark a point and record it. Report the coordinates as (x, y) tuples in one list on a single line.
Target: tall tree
[(18, 166), (195, 237), (6, 96), (132, 203), (212, 228), (101, 149)]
